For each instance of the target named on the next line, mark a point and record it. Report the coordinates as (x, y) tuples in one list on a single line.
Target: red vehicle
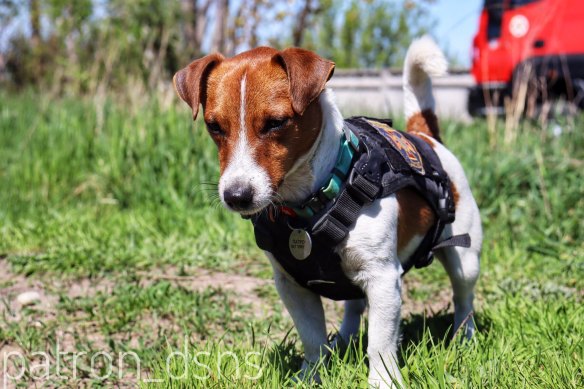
[(538, 39)]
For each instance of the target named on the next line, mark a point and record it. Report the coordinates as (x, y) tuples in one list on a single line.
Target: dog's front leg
[(383, 289), (369, 258), (307, 313)]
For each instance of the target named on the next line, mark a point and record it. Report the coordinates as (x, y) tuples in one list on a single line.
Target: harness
[(374, 161)]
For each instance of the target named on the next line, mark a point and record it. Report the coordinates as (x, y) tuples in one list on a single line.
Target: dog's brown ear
[(189, 82), (307, 74)]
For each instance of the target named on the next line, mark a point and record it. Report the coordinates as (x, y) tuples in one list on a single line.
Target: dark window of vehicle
[(495, 12), (520, 3)]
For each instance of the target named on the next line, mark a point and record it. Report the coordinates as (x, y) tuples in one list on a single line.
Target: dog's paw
[(385, 376), (377, 382), (340, 344), (308, 373), (465, 329)]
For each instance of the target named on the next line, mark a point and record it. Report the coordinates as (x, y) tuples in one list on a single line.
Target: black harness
[(383, 161)]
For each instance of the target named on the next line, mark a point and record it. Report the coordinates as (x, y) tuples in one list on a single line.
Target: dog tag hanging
[(300, 244)]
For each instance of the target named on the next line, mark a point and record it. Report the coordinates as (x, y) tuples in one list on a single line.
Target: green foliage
[(373, 33), (81, 52), (87, 47)]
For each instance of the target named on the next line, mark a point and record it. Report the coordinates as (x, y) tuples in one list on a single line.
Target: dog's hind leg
[(462, 266), (351, 322), (307, 312)]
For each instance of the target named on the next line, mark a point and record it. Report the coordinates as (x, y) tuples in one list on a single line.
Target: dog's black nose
[(238, 196)]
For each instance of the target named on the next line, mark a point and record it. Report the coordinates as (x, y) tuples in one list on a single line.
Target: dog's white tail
[(424, 59)]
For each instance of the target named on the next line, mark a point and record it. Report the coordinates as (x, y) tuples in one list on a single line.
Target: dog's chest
[(335, 271), (320, 270)]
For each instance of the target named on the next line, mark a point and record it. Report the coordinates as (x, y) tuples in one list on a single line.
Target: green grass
[(122, 204)]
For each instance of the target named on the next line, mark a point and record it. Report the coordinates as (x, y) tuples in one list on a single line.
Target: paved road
[(380, 93)]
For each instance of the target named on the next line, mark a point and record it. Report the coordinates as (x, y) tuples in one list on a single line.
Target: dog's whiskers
[(210, 190)]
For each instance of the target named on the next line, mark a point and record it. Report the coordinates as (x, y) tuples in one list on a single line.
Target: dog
[(277, 129)]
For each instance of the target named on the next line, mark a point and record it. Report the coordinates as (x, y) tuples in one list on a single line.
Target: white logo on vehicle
[(518, 26)]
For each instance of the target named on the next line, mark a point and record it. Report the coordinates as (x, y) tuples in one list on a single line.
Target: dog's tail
[(423, 60)]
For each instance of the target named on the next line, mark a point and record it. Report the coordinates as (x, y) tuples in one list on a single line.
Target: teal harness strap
[(330, 190)]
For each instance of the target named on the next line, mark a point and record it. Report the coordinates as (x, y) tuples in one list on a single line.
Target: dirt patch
[(441, 301), (12, 355), (85, 287), (76, 332), (12, 285), (242, 287)]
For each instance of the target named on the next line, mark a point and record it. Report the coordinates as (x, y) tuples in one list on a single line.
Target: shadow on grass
[(285, 358), (414, 330), (438, 326)]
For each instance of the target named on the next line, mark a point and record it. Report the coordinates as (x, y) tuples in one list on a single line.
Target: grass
[(111, 215)]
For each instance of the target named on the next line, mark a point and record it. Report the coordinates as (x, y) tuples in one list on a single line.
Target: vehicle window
[(495, 11), (519, 3), (504, 4), (494, 4)]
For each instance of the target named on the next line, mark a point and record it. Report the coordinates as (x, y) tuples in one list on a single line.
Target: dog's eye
[(215, 129), (274, 125)]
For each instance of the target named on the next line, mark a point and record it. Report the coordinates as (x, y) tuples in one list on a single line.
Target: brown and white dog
[(277, 130)]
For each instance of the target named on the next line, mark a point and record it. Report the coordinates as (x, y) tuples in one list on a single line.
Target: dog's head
[(262, 111)]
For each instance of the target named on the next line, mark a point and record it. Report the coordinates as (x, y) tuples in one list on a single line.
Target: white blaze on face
[(242, 169)]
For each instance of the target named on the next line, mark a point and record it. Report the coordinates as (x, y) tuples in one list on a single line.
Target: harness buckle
[(421, 263), (362, 188), (351, 138), (316, 202), (445, 203)]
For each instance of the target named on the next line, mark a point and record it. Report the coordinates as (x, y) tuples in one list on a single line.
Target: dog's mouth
[(252, 211), (256, 207)]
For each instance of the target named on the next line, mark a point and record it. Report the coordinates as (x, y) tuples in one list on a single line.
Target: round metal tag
[(300, 244)]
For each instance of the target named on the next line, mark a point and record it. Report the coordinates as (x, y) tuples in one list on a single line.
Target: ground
[(143, 279)]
